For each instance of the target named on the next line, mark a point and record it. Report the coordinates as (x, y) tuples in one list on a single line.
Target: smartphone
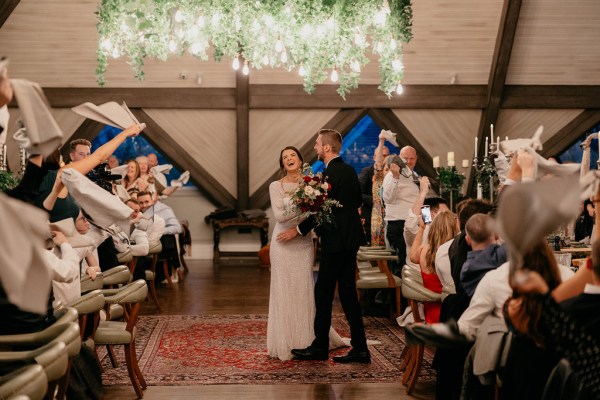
[(426, 214)]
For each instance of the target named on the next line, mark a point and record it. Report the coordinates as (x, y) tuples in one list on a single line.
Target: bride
[(291, 302)]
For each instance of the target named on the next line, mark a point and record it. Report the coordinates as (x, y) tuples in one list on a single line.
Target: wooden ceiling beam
[(242, 117), (293, 97), (6, 8), (571, 132), (175, 153), (496, 82), (551, 96), (343, 122)]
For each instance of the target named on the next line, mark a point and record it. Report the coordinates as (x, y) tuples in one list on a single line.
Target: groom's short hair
[(333, 138)]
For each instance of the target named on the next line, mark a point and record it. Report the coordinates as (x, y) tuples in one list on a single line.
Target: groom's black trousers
[(338, 268)]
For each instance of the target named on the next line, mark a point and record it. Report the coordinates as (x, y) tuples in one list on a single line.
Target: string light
[(178, 15), (399, 88), (245, 68), (278, 45), (334, 75), (302, 70), (236, 63)]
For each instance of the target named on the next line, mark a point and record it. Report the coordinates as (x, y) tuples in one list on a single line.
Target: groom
[(339, 243)]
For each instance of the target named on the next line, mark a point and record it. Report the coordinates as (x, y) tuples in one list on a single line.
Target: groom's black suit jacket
[(345, 232)]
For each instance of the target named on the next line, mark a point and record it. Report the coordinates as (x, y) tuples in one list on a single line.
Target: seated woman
[(443, 228)]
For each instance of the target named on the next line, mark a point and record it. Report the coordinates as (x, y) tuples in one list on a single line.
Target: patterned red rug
[(231, 349)]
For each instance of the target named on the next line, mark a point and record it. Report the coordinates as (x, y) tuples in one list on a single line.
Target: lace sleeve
[(281, 212), (573, 341)]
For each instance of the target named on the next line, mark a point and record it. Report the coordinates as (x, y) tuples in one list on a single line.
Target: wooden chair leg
[(417, 368), (111, 355), (398, 309), (152, 286), (405, 357), (410, 366), (167, 274), (131, 370), (136, 367)]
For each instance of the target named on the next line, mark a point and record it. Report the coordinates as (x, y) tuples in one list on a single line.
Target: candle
[(465, 163), (506, 138), (476, 149), (486, 146), (436, 162), (492, 133), (450, 158), (479, 191)]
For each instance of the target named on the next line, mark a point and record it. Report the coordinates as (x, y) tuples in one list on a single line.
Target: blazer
[(345, 232)]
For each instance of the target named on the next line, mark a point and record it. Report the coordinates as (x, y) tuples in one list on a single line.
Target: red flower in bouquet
[(312, 197)]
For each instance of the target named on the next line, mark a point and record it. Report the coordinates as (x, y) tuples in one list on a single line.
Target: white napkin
[(514, 145), (43, 135), (182, 180), (4, 117), (103, 208), (159, 173), (120, 170), (24, 273), (110, 113), (528, 212)]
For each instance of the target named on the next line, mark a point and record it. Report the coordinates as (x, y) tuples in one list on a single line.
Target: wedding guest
[(442, 229), (399, 194), (113, 161), (368, 189)]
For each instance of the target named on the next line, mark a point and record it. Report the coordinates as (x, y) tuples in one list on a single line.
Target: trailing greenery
[(312, 36), (451, 181)]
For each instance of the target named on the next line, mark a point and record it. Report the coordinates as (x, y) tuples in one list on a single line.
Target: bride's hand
[(287, 235)]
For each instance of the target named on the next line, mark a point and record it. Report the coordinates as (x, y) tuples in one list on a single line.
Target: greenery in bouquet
[(7, 181), (311, 198), (486, 176)]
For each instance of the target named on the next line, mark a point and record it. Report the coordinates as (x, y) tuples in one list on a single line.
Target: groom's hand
[(287, 235)]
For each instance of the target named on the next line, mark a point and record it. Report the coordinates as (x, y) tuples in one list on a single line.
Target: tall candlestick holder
[(3, 158), (450, 182), (485, 173), (22, 161)]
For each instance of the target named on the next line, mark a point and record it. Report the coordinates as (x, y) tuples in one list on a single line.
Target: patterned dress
[(377, 224), (291, 301)]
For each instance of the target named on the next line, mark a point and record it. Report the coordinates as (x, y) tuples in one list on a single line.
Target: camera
[(102, 177), (426, 214)]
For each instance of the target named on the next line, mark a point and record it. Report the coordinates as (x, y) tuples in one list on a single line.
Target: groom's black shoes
[(353, 356), (310, 353)]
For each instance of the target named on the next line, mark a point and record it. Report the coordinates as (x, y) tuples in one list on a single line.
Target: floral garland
[(313, 36)]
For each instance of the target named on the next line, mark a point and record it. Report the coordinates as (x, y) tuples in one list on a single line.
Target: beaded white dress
[(291, 301)]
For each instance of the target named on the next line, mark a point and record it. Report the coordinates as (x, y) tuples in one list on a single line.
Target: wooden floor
[(237, 287)]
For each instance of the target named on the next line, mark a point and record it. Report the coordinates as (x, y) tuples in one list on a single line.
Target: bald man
[(399, 193)]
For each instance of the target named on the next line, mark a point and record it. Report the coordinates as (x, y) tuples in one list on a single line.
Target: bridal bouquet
[(311, 197)]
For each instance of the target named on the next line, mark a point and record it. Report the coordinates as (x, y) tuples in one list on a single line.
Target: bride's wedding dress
[(291, 302)]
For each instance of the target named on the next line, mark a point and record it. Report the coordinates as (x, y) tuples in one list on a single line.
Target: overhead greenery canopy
[(317, 38)]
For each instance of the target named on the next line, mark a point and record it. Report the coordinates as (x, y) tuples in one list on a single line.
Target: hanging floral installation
[(316, 38)]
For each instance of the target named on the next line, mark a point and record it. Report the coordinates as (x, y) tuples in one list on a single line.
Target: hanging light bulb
[(195, 48), (355, 65), (106, 44), (116, 53), (284, 56), (172, 46), (379, 47), (397, 65), (393, 44), (236, 63), (399, 88), (278, 44), (178, 15), (334, 75), (245, 68), (265, 60), (201, 21), (302, 70)]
